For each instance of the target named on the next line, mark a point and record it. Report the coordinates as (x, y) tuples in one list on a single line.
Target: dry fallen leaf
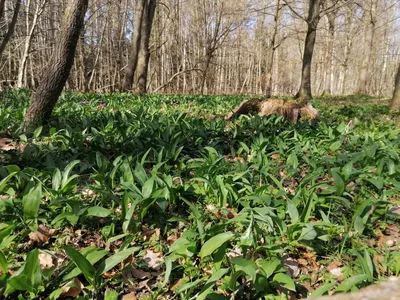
[(140, 274), (155, 234), (153, 259), (46, 261), (130, 296), (72, 288), (42, 235)]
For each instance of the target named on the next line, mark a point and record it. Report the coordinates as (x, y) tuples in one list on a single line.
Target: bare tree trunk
[(271, 51), (136, 37), (362, 86), (144, 50), (11, 26), (395, 105), (46, 96), (312, 24), (28, 41), (329, 82)]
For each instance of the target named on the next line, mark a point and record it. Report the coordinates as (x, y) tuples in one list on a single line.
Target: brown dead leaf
[(46, 261), (152, 234), (72, 288), (172, 238), (130, 296), (140, 274), (275, 156), (4, 197), (333, 265), (42, 235), (153, 259), (178, 284)]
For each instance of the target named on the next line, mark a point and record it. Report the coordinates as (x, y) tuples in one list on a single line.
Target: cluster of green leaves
[(172, 162)]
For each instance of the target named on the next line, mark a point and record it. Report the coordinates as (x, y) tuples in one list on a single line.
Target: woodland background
[(213, 47)]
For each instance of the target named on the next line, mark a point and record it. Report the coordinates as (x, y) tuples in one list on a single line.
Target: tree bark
[(136, 37), (312, 24), (395, 105), (144, 49), (362, 86), (46, 96), (11, 26)]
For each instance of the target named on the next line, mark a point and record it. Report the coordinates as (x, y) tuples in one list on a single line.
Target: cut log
[(291, 110)]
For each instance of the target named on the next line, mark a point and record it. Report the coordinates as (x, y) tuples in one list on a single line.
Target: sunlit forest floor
[(158, 197)]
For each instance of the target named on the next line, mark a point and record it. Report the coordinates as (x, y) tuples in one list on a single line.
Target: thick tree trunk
[(312, 24), (136, 37), (11, 26), (396, 95), (144, 50), (52, 84)]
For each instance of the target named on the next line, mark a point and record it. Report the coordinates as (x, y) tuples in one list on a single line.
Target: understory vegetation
[(158, 197)]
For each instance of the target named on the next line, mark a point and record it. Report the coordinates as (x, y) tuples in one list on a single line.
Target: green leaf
[(293, 212), (168, 270), (111, 295), (308, 233), (93, 257), (322, 290), (377, 182), (147, 188), (29, 276), (339, 183), (56, 181), (115, 259), (359, 225), (214, 243), (285, 281), (97, 211), (3, 265), (293, 160), (3, 183), (270, 266), (31, 203), (247, 266), (82, 263), (349, 283), (211, 283), (67, 171), (336, 145)]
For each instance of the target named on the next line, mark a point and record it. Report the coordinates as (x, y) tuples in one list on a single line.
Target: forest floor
[(159, 197)]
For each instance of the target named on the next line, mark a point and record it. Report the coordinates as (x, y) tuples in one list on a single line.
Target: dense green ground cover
[(257, 207)]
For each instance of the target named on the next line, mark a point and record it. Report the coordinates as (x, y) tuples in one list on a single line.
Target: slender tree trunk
[(395, 105), (329, 76), (271, 51), (28, 41), (312, 24), (136, 37), (362, 86), (11, 26), (144, 50), (46, 96)]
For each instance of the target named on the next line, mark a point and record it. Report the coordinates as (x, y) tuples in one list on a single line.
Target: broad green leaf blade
[(285, 281), (115, 259), (168, 270), (111, 295), (247, 266), (3, 265), (56, 181), (31, 203), (214, 243), (92, 257), (82, 263), (339, 183), (322, 290), (349, 283), (97, 211), (211, 283), (67, 171), (3, 183)]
